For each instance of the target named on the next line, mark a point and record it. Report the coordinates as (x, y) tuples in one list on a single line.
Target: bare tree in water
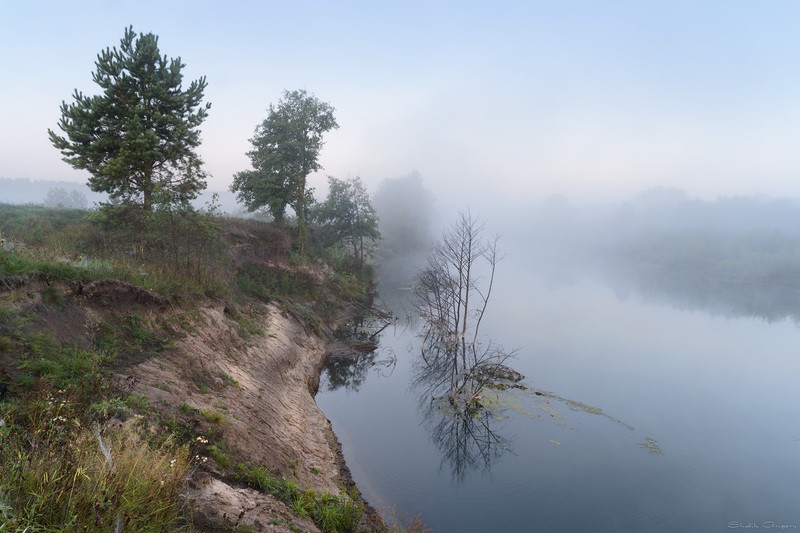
[(451, 293)]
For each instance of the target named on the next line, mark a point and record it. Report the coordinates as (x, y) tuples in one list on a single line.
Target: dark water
[(698, 379)]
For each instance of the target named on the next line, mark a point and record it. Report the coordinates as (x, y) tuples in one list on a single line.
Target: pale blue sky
[(524, 99)]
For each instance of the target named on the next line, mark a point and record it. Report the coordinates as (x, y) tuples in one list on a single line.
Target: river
[(696, 380)]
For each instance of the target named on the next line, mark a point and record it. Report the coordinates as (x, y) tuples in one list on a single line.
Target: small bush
[(261, 479)]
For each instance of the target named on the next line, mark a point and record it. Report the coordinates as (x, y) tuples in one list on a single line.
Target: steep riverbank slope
[(232, 377), (256, 397)]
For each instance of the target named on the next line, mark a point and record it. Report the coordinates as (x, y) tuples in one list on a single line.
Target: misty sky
[(502, 101)]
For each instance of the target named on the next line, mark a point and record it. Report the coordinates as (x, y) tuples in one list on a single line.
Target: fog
[(610, 138), (663, 324), (496, 106), (639, 161), (733, 256)]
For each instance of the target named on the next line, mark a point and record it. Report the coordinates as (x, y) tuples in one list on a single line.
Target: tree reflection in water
[(349, 360), (449, 382), (348, 371), (451, 294)]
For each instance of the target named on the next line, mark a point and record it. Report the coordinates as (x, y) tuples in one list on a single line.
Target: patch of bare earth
[(222, 505), (261, 386)]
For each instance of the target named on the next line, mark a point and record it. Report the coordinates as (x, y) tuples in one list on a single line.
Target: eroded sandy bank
[(262, 387)]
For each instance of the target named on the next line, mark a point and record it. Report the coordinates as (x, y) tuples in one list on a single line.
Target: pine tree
[(137, 138)]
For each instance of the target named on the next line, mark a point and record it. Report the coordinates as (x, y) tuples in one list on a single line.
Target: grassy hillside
[(84, 294)]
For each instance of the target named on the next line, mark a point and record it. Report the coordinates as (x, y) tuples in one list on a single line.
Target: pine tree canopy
[(138, 137)]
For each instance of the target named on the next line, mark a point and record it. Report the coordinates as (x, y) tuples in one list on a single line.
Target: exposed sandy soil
[(263, 388), (222, 505), (262, 385)]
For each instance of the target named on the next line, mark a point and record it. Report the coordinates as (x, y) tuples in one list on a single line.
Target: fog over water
[(659, 391), (657, 338), (640, 163)]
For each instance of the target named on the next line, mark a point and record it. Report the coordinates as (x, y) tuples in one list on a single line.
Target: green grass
[(177, 254), (16, 264), (174, 253), (63, 365), (108, 408), (137, 403), (131, 335), (332, 513), (67, 483), (219, 455), (54, 476), (215, 417)]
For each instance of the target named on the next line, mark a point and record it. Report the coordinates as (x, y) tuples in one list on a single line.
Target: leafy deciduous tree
[(348, 216), (138, 137), (286, 148)]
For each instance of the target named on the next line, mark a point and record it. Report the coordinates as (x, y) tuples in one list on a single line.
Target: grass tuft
[(56, 474), (332, 513)]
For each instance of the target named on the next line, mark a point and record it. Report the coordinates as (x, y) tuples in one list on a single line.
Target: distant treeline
[(26, 191), (673, 209), (750, 239)]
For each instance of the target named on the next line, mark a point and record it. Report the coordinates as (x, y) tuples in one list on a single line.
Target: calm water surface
[(704, 371)]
